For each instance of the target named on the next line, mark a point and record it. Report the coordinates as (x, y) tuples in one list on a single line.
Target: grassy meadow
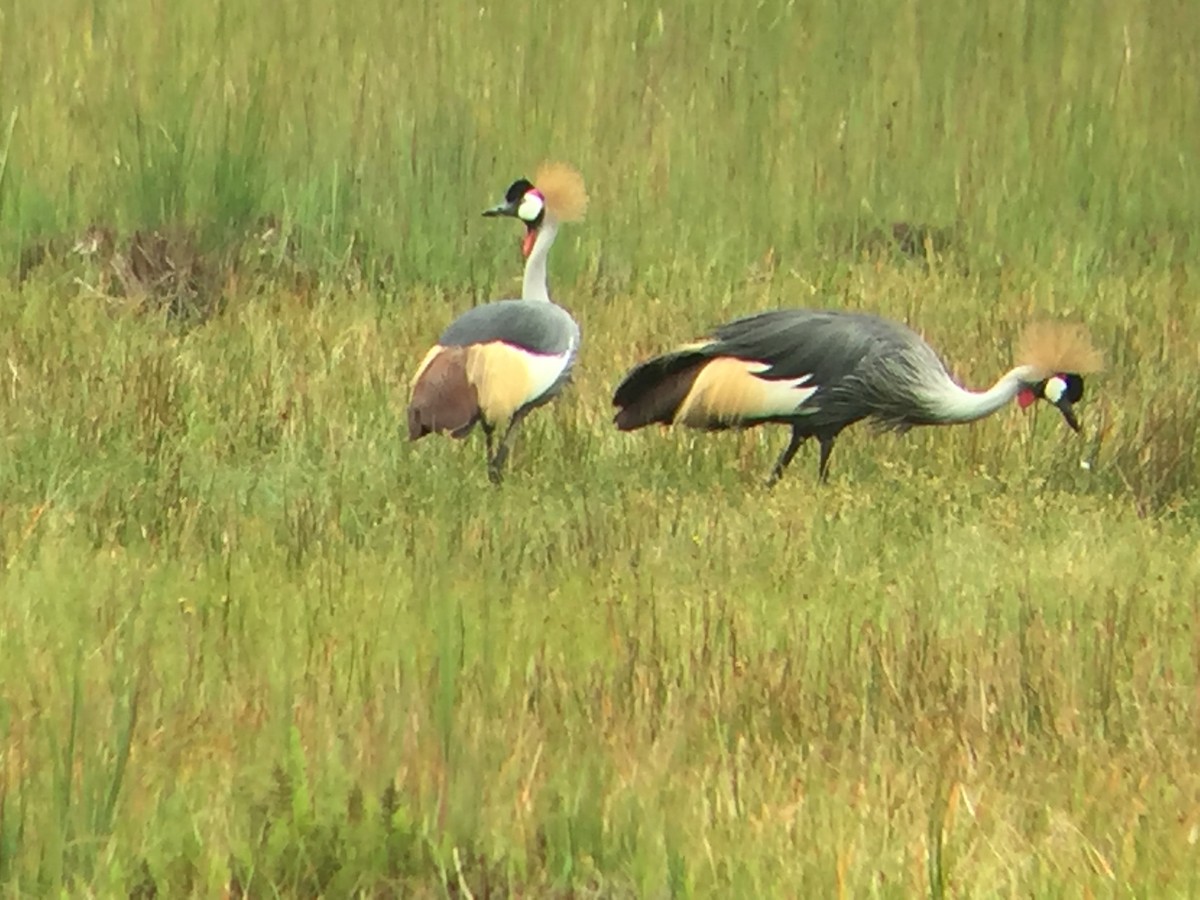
[(254, 643)]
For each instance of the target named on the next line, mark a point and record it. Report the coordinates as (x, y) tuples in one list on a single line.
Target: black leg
[(786, 456), (488, 431), (823, 465), (496, 463)]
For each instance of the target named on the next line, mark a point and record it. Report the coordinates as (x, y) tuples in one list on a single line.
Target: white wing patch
[(784, 396), (544, 370), (728, 390)]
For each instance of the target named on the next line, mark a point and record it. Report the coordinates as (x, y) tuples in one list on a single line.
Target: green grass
[(253, 641)]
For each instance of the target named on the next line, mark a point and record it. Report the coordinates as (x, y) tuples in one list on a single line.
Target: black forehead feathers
[(517, 190), (1074, 391)]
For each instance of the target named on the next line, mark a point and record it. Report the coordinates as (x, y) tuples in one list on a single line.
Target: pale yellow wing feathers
[(501, 377), (724, 391)]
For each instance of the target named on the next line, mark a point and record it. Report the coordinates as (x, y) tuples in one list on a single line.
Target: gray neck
[(535, 287)]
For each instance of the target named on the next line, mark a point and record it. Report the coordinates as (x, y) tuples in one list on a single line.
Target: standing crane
[(498, 362), (821, 371)]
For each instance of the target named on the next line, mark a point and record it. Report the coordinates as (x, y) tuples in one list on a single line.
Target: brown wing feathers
[(443, 398), (654, 391)]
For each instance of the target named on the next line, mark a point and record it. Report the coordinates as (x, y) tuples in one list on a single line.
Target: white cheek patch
[(1054, 390), (531, 206)]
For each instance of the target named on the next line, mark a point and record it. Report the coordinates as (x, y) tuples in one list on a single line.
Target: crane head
[(1063, 390), (525, 202), (557, 192)]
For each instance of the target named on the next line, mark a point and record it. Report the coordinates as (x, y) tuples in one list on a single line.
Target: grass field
[(253, 643)]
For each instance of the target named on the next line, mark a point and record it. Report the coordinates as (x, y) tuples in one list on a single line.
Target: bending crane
[(820, 372)]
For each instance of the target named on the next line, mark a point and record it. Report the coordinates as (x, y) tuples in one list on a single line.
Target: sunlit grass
[(254, 641)]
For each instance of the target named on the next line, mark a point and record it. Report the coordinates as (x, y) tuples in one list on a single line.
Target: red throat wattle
[(1025, 397), (527, 242)]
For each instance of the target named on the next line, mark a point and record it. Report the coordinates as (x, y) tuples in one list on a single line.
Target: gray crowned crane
[(496, 363), (821, 371)]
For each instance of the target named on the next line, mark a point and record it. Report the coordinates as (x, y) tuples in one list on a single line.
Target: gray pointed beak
[(1068, 413), (502, 209)]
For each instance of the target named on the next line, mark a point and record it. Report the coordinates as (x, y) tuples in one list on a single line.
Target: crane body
[(822, 371), (496, 363)]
